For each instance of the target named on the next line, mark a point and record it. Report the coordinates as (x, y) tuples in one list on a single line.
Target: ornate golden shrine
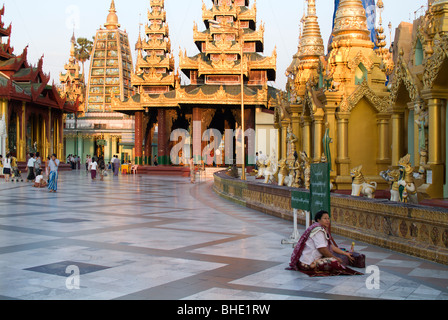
[(378, 105), (214, 94)]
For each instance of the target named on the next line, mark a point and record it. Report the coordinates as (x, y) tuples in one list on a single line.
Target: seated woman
[(315, 252), (40, 181)]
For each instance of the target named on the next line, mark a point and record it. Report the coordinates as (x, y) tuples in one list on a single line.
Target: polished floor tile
[(156, 238)]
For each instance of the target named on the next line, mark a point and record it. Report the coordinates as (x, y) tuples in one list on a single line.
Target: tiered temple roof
[(72, 82), (230, 46), (154, 72), (21, 81)]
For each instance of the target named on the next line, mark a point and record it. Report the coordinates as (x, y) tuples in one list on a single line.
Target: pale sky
[(47, 25)]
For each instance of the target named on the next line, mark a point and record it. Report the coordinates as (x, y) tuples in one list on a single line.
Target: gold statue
[(392, 177), (306, 165), (407, 188)]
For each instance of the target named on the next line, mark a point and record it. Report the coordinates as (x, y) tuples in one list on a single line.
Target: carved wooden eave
[(156, 44), (222, 46), (155, 61), (157, 3), (434, 64), (222, 10), (380, 104), (223, 66), (255, 36), (402, 76), (181, 96), (157, 29), (267, 63), (199, 36), (153, 78), (157, 15)]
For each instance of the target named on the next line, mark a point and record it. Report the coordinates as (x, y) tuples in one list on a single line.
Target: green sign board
[(300, 200), (320, 188)]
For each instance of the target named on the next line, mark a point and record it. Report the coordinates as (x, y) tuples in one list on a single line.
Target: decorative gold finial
[(350, 25), (112, 18)]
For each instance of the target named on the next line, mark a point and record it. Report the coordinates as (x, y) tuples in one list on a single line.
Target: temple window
[(360, 74), (418, 53)]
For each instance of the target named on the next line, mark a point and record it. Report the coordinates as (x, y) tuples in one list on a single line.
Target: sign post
[(300, 200), (311, 202), (320, 188)]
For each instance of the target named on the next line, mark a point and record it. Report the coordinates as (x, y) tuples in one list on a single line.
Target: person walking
[(192, 171), (37, 163), (101, 167), (116, 164), (30, 165), (54, 167), (7, 167), (93, 168)]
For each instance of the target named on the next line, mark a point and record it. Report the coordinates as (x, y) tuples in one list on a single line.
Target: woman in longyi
[(316, 253)]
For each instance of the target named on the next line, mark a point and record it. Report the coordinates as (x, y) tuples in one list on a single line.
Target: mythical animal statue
[(261, 166), (407, 188), (285, 175), (271, 170), (392, 177), (360, 185)]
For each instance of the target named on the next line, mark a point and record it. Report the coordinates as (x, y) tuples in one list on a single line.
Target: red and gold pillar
[(197, 134), (164, 157), (139, 138)]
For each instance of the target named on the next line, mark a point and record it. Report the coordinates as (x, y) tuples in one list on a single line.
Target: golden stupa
[(377, 104)]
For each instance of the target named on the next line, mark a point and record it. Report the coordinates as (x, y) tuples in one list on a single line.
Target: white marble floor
[(156, 238)]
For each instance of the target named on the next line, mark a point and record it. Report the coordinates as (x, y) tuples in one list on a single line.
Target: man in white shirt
[(30, 165), (93, 167)]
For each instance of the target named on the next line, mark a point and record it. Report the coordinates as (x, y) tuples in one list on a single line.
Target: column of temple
[(139, 138)]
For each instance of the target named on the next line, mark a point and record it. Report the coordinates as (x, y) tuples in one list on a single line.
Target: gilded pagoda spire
[(311, 43), (112, 18), (350, 26), (311, 48)]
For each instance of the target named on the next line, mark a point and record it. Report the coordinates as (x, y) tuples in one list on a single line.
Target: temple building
[(227, 75), (341, 95), (419, 97), (98, 131), (364, 104), (31, 109)]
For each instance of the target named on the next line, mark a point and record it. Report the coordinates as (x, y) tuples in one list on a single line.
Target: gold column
[(61, 149), (44, 141), (318, 137), (330, 120), (434, 132), (342, 159), (306, 135), (397, 138), (284, 133), (383, 137), (21, 145)]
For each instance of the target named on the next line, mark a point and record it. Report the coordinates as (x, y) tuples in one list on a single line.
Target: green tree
[(83, 49)]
